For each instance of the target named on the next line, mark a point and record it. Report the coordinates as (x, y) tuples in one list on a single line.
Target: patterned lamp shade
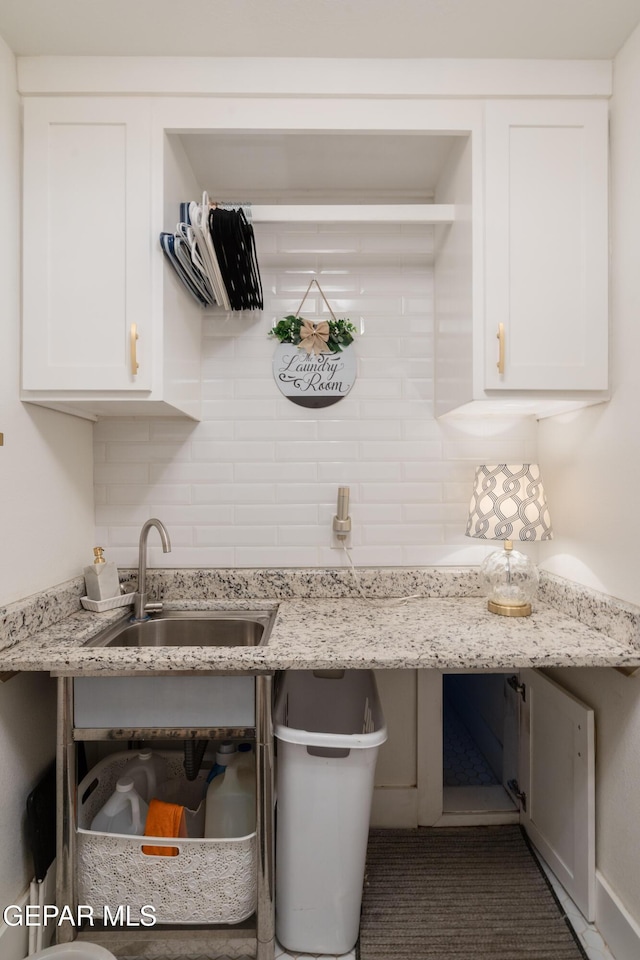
[(508, 503)]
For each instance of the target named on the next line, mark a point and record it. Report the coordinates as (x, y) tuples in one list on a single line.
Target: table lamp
[(508, 503)]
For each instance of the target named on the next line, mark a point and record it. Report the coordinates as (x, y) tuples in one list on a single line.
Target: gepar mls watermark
[(34, 915)]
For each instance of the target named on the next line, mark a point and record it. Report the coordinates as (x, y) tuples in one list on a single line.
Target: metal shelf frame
[(66, 761)]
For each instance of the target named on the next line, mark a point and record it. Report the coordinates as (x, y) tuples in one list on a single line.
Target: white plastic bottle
[(224, 755), (230, 803), (145, 771), (124, 812)]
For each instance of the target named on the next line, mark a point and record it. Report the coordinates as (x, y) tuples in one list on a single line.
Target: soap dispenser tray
[(99, 606)]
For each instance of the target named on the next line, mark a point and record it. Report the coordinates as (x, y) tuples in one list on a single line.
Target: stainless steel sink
[(191, 628)]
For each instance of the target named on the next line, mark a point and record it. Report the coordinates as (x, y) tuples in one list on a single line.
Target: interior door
[(557, 777)]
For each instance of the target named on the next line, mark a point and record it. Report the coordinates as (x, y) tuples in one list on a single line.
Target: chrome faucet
[(141, 608)]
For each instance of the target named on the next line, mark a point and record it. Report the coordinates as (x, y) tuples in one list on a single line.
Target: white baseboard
[(14, 941), (618, 928)]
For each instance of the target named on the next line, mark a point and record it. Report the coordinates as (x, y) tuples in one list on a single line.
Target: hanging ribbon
[(314, 337)]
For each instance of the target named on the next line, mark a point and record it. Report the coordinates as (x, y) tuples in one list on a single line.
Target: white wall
[(46, 504), (256, 482), (46, 461), (591, 464)]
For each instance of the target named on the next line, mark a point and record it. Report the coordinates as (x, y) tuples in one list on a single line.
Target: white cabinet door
[(557, 775), (87, 244), (546, 247)]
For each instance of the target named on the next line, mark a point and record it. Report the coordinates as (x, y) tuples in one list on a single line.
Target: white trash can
[(328, 726)]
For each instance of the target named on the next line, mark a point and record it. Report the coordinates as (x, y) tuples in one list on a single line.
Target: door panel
[(87, 243), (557, 774)]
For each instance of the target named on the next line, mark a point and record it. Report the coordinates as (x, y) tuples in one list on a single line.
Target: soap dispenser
[(101, 577)]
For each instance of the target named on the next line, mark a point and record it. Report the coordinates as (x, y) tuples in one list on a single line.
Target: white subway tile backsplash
[(147, 452), (194, 514), (176, 429), (369, 387), (235, 535), (400, 410), (255, 483), (314, 450), (360, 430), (416, 305), (274, 557), (417, 367), (211, 390), (259, 390), (303, 536), (417, 389), (277, 471), (335, 242), (403, 533), (113, 513), (190, 471), (359, 471), (378, 282), (238, 410), (435, 513), (213, 556), (401, 492), (372, 513), (439, 470), (286, 514), (234, 493), (136, 493), (121, 473), (306, 493), (130, 536), (276, 430), (232, 451), (400, 450), (387, 555), (216, 368), (121, 430)]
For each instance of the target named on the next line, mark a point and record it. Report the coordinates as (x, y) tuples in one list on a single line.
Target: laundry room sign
[(314, 364)]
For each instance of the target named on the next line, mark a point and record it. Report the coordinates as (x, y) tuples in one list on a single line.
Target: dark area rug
[(460, 893)]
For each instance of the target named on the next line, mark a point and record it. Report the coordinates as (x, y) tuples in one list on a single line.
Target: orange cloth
[(164, 820)]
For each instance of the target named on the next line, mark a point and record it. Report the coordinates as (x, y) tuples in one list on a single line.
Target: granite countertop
[(452, 632)]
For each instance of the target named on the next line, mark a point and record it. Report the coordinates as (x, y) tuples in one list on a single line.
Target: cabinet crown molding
[(292, 76)]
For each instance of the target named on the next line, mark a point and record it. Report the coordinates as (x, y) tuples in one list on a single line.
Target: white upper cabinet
[(93, 326), (87, 275), (522, 249), (522, 280), (545, 245)]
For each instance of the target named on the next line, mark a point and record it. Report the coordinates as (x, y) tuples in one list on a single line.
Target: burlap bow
[(314, 336)]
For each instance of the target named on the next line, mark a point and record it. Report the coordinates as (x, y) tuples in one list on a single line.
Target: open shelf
[(421, 213)]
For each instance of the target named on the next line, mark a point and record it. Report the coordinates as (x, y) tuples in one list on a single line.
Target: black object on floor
[(460, 893), (41, 823)]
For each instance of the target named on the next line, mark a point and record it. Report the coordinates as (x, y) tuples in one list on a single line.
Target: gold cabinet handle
[(500, 338), (133, 336)]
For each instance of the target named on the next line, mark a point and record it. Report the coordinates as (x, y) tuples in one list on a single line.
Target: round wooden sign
[(313, 380)]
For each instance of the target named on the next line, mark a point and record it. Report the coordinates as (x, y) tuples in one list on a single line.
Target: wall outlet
[(337, 544)]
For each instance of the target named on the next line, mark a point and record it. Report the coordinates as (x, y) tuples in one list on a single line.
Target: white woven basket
[(209, 881)]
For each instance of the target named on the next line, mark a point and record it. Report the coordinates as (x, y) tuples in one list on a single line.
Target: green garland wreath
[(341, 332)]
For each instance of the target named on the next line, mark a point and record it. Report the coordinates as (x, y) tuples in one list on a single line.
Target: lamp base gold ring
[(509, 609)]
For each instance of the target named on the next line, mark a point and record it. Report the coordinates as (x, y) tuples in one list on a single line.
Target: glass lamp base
[(512, 582)]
